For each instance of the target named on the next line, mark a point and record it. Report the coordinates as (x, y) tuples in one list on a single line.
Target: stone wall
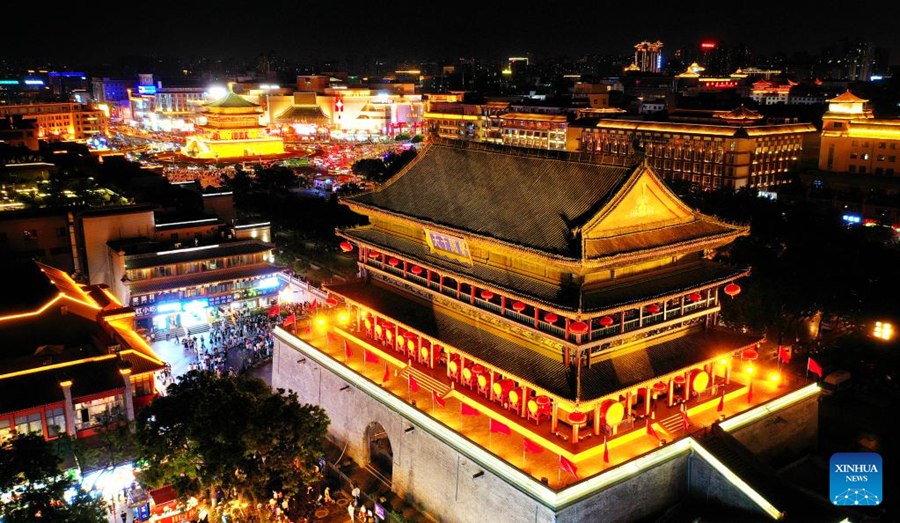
[(784, 435)]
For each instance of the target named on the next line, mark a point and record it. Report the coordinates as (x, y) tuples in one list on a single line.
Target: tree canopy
[(31, 471), (234, 436)]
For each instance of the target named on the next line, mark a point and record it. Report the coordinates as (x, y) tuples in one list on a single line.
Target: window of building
[(851, 169), (879, 170), (882, 145), (892, 158), (853, 156), (5, 429), (865, 156), (30, 234), (94, 412), (881, 157), (862, 169), (30, 424), (56, 422), (142, 385)]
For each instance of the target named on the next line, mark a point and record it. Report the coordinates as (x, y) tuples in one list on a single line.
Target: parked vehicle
[(837, 381)]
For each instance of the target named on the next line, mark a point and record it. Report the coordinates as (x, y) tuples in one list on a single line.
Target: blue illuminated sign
[(195, 304), (9, 82), (33, 81), (852, 218), (172, 306), (146, 89), (268, 283)]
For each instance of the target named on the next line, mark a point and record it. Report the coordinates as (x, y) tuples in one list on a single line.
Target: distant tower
[(648, 56)]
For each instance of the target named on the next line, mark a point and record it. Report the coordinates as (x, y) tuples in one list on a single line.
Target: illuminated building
[(854, 141), (537, 131), (166, 108), (298, 115), (363, 113), (18, 132), (71, 357), (521, 314), (39, 234), (232, 130), (739, 150), (63, 121), (648, 57), (765, 92), (177, 271)]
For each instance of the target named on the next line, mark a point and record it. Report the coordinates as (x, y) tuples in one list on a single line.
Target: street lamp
[(883, 330)]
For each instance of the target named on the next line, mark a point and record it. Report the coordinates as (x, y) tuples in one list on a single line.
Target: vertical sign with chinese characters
[(448, 246)]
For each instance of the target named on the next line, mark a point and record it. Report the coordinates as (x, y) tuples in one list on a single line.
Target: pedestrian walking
[(351, 509)]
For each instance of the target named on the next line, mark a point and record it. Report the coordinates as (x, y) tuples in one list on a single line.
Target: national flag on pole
[(466, 410), (413, 384), (721, 406), (568, 466), (685, 422), (531, 447), (784, 354), (605, 451), (650, 429), (438, 400), (347, 351), (275, 310), (387, 374), (496, 426), (750, 393), (814, 367), (290, 320), (370, 357)]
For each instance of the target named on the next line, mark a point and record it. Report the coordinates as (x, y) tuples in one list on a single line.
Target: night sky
[(430, 29)]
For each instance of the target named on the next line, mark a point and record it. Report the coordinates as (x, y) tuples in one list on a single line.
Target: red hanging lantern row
[(653, 308), (551, 318), (416, 270), (606, 321), (393, 262), (486, 294), (578, 327), (732, 289), (331, 302), (659, 387), (346, 246), (373, 254), (695, 296), (518, 306)]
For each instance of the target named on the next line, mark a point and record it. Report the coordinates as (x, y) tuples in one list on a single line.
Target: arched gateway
[(381, 455)]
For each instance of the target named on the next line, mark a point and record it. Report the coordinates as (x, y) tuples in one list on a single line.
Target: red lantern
[(486, 294), (732, 289), (518, 306), (659, 387), (606, 321), (578, 327), (393, 262), (695, 296), (331, 302), (373, 254), (750, 354), (551, 318), (346, 246), (653, 308), (416, 270)]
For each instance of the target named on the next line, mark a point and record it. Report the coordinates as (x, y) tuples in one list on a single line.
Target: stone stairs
[(672, 424), (425, 381)]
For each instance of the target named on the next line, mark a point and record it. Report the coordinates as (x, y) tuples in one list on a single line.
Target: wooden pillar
[(640, 316), (597, 419), (502, 305), (428, 278), (523, 403), (665, 309), (536, 317), (682, 305), (567, 339), (554, 416), (648, 392), (628, 405), (431, 355), (449, 359), (671, 400), (687, 385), (621, 322), (405, 264), (472, 297), (458, 289)]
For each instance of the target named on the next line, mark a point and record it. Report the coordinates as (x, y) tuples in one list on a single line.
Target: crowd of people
[(206, 177), (245, 336)]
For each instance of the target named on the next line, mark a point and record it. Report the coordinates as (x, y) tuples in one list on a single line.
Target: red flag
[(605, 451), (466, 410), (685, 422), (496, 426), (370, 357), (721, 406), (438, 400), (413, 384), (814, 367), (784, 354), (532, 447), (750, 393), (290, 320), (650, 430), (313, 305), (275, 310), (387, 374), (347, 350), (568, 466)]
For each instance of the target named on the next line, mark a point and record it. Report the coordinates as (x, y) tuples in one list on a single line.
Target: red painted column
[(472, 294), (536, 317), (458, 289)]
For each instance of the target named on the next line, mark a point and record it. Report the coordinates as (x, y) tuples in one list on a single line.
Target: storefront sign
[(448, 246)]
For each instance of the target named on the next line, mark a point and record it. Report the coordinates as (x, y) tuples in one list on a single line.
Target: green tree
[(232, 435), (30, 468)]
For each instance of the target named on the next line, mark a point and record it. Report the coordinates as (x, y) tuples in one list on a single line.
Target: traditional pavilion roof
[(527, 201), (301, 113), (556, 207), (741, 113), (518, 358), (846, 97), (231, 100)]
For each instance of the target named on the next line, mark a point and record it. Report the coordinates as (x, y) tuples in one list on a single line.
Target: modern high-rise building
[(648, 56)]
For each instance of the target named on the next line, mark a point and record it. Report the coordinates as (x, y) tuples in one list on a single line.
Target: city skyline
[(318, 32)]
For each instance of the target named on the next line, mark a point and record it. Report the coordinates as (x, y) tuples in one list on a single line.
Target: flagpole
[(559, 471)]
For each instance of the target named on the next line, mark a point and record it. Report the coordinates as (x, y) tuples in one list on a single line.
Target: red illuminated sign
[(708, 45)]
